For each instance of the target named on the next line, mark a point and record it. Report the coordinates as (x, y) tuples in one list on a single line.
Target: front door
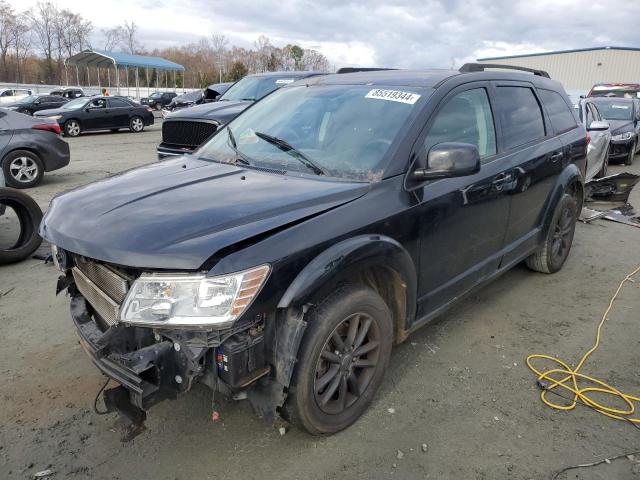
[(463, 220), (97, 115)]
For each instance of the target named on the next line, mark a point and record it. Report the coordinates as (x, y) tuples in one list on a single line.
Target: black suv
[(283, 259), (185, 130), (158, 100)]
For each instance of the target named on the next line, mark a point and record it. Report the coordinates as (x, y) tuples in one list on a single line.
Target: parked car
[(99, 113), (623, 115), (68, 93), (11, 95), (185, 130), (625, 90), (29, 147), (18, 207), (158, 100), (599, 138), (209, 94), (34, 103), (283, 259)]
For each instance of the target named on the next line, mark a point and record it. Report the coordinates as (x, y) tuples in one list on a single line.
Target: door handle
[(556, 156), (501, 178)]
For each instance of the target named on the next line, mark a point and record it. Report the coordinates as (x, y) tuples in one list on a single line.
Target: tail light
[(48, 127), (588, 138)]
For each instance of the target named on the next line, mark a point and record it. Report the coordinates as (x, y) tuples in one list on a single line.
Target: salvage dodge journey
[(284, 258)]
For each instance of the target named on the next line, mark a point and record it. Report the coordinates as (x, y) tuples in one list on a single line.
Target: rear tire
[(554, 252), (136, 124), (632, 154), (29, 216), (337, 376), (22, 169), (72, 128)]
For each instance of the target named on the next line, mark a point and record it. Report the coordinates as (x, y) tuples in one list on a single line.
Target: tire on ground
[(301, 407), (29, 215)]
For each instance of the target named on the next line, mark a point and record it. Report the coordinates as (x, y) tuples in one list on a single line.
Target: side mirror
[(448, 160), (598, 126)]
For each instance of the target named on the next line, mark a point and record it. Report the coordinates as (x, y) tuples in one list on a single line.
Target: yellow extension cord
[(567, 378)]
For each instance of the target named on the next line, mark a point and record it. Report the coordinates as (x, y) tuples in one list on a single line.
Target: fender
[(350, 255), (569, 176)]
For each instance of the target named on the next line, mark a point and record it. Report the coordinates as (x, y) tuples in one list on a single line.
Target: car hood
[(222, 112), (620, 126), (179, 213), (50, 112), (16, 104)]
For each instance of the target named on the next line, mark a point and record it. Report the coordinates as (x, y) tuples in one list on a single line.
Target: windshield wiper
[(241, 157), (288, 148)]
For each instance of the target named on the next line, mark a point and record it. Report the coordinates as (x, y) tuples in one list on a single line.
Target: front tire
[(22, 169), (341, 362), (632, 154), (554, 252), (72, 128), (136, 124)]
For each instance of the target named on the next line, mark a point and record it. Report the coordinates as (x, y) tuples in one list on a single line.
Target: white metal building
[(579, 70)]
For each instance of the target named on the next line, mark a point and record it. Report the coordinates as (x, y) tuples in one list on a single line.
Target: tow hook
[(132, 418)]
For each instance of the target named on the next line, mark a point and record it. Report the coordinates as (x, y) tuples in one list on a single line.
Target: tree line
[(34, 44)]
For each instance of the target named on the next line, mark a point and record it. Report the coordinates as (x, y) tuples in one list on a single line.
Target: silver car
[(600, 134)]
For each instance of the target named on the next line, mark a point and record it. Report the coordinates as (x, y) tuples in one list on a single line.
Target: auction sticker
[(281, 81), (393, 96)]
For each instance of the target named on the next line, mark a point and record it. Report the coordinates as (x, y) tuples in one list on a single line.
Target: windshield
[(335, 130), (254, 88), (156, 95), (616, 110), (76, 104), (29, 99)]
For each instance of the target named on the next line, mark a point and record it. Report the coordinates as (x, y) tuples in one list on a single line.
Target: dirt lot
[(459, 385)]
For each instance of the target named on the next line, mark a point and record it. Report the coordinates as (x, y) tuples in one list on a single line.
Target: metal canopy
[(100, 58)]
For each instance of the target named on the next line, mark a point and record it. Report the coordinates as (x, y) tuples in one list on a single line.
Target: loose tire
[(29, 215), (72, 128), (136, 124), (555, 250), (22, 169), (341, 362), (632, 154)]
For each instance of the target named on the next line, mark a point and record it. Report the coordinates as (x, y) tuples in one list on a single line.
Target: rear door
[(538, 157), (120, 112), (463, 220)]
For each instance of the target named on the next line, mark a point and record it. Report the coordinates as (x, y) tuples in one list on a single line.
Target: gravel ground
[(459, 385)]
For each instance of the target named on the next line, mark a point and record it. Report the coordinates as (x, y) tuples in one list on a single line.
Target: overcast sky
[(405, 34)]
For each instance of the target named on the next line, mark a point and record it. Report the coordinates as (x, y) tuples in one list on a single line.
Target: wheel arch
[(376, 261), (569, 181)]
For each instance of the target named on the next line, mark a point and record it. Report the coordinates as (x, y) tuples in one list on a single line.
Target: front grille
[(185, 133), (114, 284), (100, 301)]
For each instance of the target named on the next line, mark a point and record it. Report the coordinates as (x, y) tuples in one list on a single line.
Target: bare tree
[(43, 24), (21, 41), (129, 37), (7, 21), (111, 38)]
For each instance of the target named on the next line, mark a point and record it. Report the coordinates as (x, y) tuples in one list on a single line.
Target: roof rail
[(361, 69), (480, 67)]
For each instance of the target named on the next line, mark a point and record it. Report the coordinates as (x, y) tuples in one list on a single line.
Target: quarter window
[(465, 118), (559, 112), (520, 116)]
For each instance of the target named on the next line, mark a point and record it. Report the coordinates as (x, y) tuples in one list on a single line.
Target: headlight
[(622, 136), (55, 117), (187, 301)]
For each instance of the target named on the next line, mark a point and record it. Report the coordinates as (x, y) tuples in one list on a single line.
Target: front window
[(76, 104), (340, 131), (613, 110), (254, 88)]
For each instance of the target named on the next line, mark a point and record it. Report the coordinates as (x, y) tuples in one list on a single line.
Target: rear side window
[(117, 102), (466, 118), (520, 116), (559, 112)]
